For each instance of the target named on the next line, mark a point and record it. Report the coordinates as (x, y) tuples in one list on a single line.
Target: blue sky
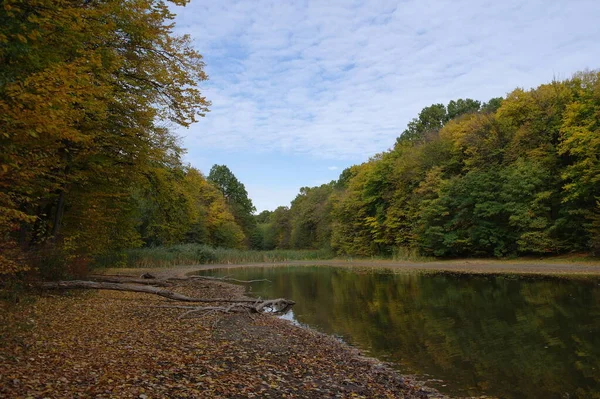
[(301, 90)]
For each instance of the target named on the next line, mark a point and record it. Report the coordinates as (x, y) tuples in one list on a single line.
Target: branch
[(164, 283), (158, 291), (131, 280), (259, 306)]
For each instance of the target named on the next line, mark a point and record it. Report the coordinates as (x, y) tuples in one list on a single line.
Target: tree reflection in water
[(508, 336)]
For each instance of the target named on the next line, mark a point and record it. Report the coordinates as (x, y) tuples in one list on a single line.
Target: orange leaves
[(111, 344)]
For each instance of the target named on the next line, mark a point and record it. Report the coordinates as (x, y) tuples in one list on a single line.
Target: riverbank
[(107, 344), (570, 267)]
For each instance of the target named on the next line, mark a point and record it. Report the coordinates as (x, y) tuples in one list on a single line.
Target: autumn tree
[(84, 89), (212, 222), (511, 176), (236, 197), (580, 143)]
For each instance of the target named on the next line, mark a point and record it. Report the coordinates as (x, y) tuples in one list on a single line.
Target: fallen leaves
[(113, 345)]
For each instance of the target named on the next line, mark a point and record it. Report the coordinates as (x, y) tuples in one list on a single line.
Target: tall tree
[(83, 90), (236, 196)]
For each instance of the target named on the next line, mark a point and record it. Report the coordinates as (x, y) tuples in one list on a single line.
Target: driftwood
[(131, 280), (258, 306), (166, 282), (130, 284)]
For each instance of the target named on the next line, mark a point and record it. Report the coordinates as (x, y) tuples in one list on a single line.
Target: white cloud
[(340, 79), (332, 167)]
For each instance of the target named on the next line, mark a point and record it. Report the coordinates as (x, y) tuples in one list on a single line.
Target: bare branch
[(131, 280), (277, 305)]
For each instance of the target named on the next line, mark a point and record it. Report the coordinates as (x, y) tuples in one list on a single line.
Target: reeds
[(197, 254)]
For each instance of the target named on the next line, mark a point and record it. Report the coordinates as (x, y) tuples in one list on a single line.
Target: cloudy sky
[(302, 89)]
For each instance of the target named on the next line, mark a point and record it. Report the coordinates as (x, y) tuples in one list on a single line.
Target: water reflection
[(505, 336)]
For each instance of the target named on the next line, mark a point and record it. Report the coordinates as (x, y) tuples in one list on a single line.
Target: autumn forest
[(89, 164)]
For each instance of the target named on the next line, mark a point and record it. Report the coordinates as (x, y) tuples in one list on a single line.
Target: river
[(466, 335)]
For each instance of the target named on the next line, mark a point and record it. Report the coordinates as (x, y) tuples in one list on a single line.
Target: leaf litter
[(108, 344)]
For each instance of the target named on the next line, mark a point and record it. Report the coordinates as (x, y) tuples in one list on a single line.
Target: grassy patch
[(197, 254)]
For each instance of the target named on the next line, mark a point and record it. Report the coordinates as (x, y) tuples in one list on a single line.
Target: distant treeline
[(513, 176)]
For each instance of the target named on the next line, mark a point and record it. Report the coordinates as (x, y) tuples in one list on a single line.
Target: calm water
[(496, 335)]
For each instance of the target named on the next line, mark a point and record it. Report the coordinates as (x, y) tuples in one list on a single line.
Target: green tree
[(465, 217), (236, 197), (430, 119), (310, 217), (278, 234), (461, 106)]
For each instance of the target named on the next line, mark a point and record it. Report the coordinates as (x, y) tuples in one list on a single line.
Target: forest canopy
[(86, 90), (89, 89), (513, 176)]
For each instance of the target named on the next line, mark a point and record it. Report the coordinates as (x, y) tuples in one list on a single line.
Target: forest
[(513, 176), (89, 95)]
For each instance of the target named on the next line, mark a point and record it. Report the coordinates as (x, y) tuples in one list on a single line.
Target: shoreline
[(467, 266), (110, 344)]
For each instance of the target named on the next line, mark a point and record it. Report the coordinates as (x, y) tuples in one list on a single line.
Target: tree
[(580, 144), (236, 197), (278, 234), (430, 119), (461, 106), (512, 176), (311, 221), (492, 105), (83, 90)]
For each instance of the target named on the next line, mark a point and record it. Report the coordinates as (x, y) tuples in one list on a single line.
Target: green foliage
[(275, 232), (529, 198), (430, 120), (236, 196), (466, 217), (460, 107), (310, 213), (492, 105), (263, 217), (514, 176)]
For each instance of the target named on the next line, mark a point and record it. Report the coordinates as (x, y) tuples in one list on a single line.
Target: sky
[(302, 89)]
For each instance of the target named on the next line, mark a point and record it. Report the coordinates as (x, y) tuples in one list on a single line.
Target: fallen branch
[(167, 282), (131, 280), (156, 291), (258, 306)]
